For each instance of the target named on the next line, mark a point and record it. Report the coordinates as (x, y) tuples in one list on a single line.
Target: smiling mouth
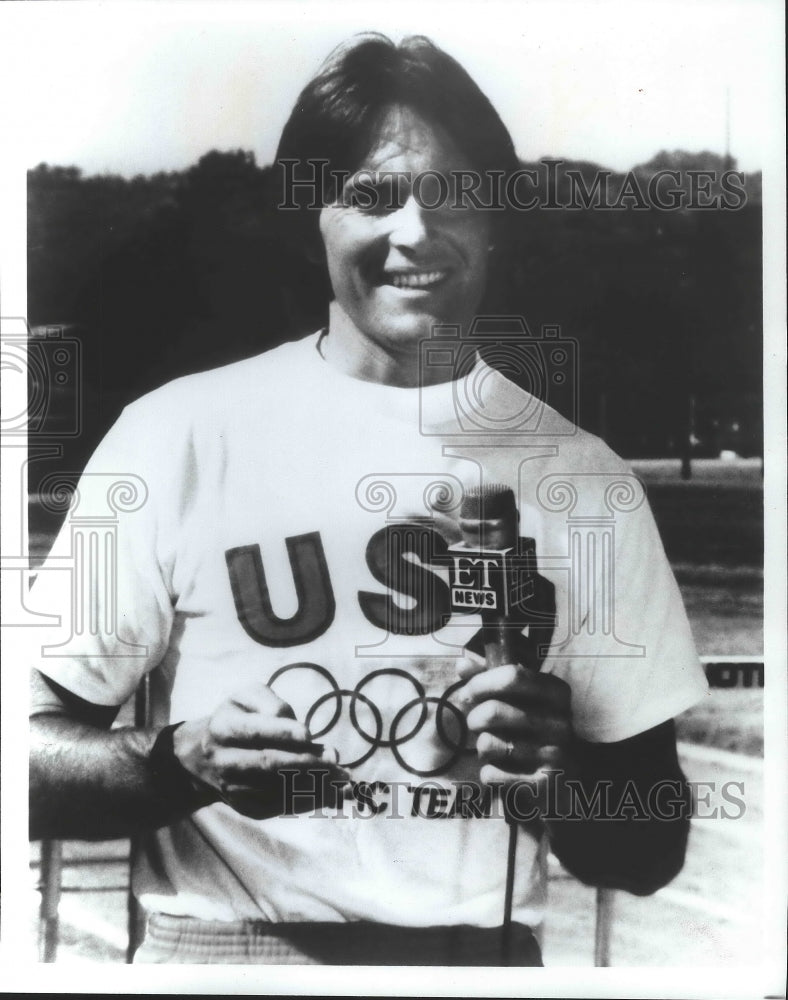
[(419, 280)]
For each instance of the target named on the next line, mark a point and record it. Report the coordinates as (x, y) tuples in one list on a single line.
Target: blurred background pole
[(51, 874), (135, 913), (604, 920), (687, 438)]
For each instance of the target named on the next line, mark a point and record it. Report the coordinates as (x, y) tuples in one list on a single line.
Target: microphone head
[(487, 502)]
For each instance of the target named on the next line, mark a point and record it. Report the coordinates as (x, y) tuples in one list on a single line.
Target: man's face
[(398, 267)]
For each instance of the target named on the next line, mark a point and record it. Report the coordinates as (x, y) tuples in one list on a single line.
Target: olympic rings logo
[(402, 730)]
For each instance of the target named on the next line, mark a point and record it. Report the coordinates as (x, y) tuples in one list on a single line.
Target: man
[(319, 699)]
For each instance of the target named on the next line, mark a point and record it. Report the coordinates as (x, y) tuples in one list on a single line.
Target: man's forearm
[(636, 854), (627, 822), (93, 784)]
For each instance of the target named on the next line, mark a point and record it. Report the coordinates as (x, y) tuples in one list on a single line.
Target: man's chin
[(412, 328)]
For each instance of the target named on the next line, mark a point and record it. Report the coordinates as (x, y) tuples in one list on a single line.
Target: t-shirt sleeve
[(106, 579), (638, 667)]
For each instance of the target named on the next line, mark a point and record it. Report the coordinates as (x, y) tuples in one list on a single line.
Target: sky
[(138, 87)]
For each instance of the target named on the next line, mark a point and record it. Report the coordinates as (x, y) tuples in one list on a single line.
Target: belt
[(199, 942)]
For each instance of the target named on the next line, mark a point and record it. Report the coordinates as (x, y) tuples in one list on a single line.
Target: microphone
[(490, 572), (487, 574)]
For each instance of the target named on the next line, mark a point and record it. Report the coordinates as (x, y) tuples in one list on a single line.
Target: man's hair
[(337, 114)]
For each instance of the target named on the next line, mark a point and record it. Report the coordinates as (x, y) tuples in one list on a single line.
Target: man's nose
[(410, 225)]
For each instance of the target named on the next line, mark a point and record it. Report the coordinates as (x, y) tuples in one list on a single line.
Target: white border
[(762, 979)]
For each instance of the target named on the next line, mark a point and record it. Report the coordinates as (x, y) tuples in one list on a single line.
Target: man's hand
[(522, 719), (90, 782), (243, 749), (524, 735)]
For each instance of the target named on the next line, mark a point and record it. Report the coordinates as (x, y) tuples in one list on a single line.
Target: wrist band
[(171, 779)]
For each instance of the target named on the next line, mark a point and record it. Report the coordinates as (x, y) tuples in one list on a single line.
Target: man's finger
[(535, 782), (492, 716), (254, 730), (509, 722), (260, 698), (513, 756), (277, 799), (515, 684), (259, 768), (468, 667)]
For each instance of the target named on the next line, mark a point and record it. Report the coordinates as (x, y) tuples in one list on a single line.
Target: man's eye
[(363, 199), (377, 197)]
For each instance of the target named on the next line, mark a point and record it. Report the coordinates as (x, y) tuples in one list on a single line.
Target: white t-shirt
[(285, 522)]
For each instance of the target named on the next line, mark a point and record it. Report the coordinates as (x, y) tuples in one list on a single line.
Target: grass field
[(715, 519), (725, 609), (712, 529), (728, 718)]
